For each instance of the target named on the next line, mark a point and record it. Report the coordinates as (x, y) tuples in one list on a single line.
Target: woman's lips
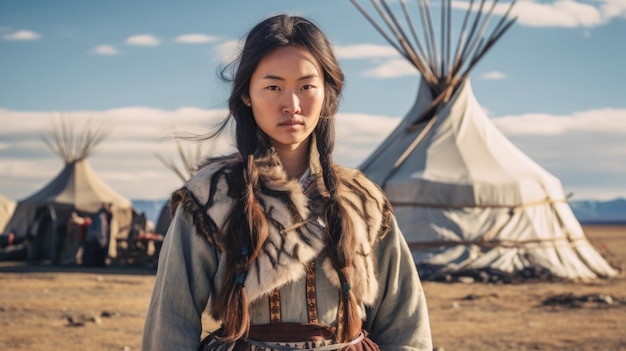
[(291, 122)]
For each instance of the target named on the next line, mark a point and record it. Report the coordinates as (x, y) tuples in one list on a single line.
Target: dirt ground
[(77, 309)]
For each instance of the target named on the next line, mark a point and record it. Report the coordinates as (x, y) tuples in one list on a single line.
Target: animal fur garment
[(296, 227)]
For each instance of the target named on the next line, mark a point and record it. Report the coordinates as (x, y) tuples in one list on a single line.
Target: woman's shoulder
[(365, 195), (357, 179), (209, 183), (207, 196), (210, 165)]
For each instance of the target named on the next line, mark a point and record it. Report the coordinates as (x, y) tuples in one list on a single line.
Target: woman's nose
[(291, 104)]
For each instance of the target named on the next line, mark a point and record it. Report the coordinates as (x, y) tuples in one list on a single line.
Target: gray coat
[(191, 264)]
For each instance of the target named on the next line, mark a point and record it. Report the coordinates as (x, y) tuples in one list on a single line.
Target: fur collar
[(296, 228)]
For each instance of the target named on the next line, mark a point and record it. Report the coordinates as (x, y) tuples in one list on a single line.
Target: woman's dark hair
[(247, 218)]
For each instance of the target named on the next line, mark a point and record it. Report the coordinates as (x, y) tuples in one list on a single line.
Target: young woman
[(285, 248)]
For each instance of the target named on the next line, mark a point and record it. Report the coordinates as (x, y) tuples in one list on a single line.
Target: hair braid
[(340, 236), (249, 230)]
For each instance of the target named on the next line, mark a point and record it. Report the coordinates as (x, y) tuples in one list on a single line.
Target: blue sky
[(554, 84)]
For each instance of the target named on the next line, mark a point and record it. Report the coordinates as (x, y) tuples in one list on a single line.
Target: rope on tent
[(487, 239), (513, 208), (495, 243), (566, 229)]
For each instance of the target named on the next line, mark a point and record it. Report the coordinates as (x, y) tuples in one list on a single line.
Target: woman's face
[(287, 95)]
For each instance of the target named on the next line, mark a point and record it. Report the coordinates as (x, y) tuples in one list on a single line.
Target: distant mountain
[(593, 211), (586, 211), (151, 208)]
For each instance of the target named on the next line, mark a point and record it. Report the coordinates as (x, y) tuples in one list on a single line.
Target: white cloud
[(229, 50), (562, 13), (29, 169), (127, 122), (195, 38), (358, 135), (493, 75), (614, 8), (143, 40), (22, 35), (609, 121), (106, 50), (135, 133), (362, 51), (126, 159), (392, 69), (587, 144), (585, 150)]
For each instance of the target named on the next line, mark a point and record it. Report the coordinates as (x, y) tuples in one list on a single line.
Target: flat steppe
[(79, 309)]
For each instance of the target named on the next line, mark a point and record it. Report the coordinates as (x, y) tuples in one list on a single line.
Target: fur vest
[(296, 227)]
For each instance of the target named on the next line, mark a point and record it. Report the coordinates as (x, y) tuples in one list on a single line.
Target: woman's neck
[(295, 161)]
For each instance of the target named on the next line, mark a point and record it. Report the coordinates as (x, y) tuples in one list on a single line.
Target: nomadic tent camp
[(467, 200), (77, 188), (7, 206)]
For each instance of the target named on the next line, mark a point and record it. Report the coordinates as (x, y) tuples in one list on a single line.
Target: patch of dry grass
[(36, 302)]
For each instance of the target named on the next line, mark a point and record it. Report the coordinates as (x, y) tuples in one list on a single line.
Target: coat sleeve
[(398, 321), (183, 286)]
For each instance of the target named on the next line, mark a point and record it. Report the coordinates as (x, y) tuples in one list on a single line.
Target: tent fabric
[(7, 206), (467, 199), (79, 185), (76, 188)]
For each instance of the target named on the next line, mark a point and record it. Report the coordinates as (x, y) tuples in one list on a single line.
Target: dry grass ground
[(107, 308), (486, 317)]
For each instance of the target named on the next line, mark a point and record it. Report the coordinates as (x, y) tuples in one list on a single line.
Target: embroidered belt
[(303, 336), (290, 332), (268, 345)]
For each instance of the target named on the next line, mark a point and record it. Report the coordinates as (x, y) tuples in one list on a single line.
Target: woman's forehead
[(288, 62)]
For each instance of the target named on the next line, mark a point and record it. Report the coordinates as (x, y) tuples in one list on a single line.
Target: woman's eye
[(307, 87), (273, 87)]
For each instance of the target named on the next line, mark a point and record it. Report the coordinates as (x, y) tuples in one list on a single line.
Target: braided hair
[(247, 222)]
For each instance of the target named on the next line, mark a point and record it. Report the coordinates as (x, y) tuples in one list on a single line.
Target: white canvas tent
[(467, 200), (7, 206), (76, 188)]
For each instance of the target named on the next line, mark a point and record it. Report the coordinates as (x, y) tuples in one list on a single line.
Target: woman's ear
[(246, 100)]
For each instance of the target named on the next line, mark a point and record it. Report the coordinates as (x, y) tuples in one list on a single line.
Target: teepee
[(467, 200), (77, 188)]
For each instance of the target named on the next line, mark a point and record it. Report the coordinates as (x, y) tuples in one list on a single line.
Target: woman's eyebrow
[(273, 77)]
